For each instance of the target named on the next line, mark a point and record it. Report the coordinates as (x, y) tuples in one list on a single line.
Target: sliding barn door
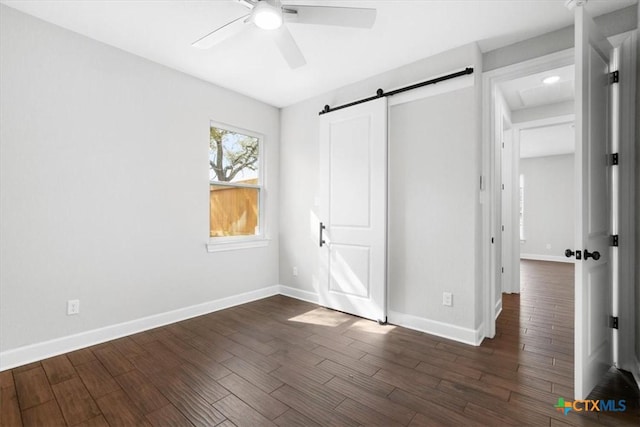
[(593, 280), (353, 209)]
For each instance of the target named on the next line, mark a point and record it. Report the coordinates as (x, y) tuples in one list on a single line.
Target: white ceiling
[(547, 141), (405, 31), (530, 91)]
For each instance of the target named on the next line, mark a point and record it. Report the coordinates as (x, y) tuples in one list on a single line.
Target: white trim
[(235, 245), (552, 258), (31, 353), (433, 327), (618, 39), (627, 251), (498, 309), (300, 294), (545, 122), (217, 244)]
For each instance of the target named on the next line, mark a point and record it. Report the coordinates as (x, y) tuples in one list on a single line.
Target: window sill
[(232, 245)]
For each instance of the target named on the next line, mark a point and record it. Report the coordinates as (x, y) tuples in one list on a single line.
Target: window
[(521, 207), (235, 185)]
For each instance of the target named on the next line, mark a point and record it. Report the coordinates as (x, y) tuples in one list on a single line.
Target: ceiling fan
[(271, 15)]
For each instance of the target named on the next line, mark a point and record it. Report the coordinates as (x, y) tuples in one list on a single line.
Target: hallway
[(537, 325)]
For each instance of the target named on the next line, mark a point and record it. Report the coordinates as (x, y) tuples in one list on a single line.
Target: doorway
[(493, 218), (515, 99), (535, 154)]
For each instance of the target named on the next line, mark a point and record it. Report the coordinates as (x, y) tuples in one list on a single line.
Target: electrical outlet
[(447, 299), (73, 306), (295, 271), (548, 245)]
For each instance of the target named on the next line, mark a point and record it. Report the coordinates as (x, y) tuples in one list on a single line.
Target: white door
[(593, 336), (353, 209)]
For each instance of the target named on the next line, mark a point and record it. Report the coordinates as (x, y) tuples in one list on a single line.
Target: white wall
[(549, 209), (432, 207), (440, 197), (104, 186)]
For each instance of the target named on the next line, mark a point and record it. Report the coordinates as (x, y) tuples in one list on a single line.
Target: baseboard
[(445, 330), (35, 352), (498, 308), (307, 296), (433, 327), (31, 353), (552, 258)]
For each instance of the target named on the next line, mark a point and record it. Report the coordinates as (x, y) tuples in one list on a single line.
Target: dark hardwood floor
[(284, 362)]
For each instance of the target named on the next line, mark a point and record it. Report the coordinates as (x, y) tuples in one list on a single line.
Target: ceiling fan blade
[(220, 34), (289, 48), (249, 4), (339, 16)]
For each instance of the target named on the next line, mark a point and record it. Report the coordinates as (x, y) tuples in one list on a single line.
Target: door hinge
[(614, 240), (614, 77), (614, 159), (613, 322), (503, 269)]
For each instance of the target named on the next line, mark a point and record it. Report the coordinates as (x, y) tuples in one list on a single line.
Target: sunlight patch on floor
[(372, 327), (322, 317)]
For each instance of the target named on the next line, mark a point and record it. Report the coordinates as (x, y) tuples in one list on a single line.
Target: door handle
[(595, 255), (321, 241), (569, 253)]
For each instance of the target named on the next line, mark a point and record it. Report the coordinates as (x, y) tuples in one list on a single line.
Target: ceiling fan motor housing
[(267, 14)]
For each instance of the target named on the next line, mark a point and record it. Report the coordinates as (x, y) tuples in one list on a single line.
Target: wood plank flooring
[(284, 362)]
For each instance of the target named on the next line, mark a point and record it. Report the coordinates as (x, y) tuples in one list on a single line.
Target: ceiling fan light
[(267, 16)]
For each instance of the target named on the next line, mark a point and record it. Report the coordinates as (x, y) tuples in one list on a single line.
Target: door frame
[(624, 354), (624, 340), (491, 197), (509, 242)]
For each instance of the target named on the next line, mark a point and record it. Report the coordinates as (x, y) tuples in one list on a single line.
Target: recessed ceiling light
[(551, 80)]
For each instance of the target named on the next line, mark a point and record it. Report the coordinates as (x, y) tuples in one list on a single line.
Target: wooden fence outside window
[(234, 211)]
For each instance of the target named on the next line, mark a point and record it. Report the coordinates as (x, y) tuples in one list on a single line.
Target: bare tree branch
[(227, 162)]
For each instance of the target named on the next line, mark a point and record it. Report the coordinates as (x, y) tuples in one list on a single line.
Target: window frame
[(260, 239)]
